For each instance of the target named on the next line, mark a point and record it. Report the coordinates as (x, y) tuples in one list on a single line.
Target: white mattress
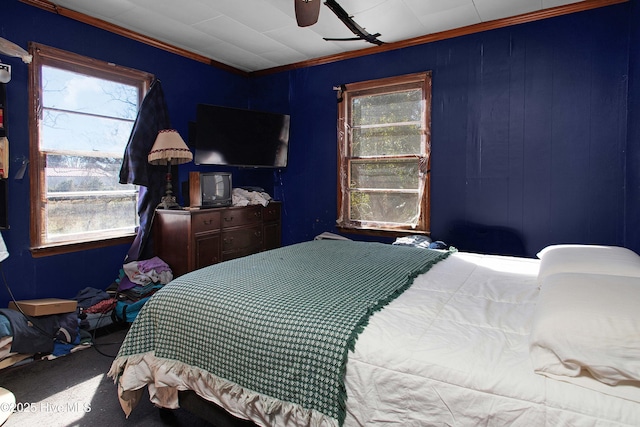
[(451, 350)]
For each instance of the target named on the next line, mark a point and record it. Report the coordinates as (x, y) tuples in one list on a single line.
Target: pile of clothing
[(121, 301), (138, 280), (95, 307), (23, 337), (243, 197)]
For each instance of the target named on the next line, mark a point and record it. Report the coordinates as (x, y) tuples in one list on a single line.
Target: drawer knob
[(228, 218)]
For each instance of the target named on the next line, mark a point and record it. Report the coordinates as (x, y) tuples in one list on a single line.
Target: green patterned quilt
[(278, 323)]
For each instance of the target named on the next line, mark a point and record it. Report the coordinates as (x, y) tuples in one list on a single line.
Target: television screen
[(237, 137), (216, 188), (210, 189)]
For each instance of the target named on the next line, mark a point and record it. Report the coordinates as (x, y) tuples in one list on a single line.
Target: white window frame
[(49, 56)]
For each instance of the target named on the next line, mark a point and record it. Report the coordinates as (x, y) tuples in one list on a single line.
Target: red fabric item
[(103, 306)]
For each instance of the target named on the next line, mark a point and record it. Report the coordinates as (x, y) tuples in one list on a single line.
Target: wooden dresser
[(189, 239)]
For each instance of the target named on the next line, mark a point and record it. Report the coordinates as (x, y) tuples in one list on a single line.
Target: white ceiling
[(253, 35)]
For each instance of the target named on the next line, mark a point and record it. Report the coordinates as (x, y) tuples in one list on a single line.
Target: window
[(82, 114), (384, 155)]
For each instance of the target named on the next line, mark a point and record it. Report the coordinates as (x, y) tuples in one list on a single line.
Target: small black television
[(210, 189), (239, 137)]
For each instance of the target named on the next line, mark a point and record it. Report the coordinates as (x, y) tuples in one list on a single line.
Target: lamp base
[(168, 202)]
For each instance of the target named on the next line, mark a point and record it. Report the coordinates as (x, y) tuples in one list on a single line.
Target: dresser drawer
[(271, 212), (242, 241), (207, 250), (205, 221), (241, 216), (188, 239)]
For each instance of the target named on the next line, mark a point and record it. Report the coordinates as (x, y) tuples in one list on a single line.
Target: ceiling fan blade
[(307, 12)]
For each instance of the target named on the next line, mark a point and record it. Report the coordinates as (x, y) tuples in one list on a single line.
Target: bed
[(456, 339)]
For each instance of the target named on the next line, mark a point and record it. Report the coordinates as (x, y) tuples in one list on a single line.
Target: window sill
[(380, 232), (63, 248)]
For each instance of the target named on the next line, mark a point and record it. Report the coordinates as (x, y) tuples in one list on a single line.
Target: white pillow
[(588, 321), (588, 259)]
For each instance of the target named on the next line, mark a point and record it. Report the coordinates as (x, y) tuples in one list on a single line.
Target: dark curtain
[(153, 116)]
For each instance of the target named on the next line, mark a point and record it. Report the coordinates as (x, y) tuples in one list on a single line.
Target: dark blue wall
[(529, 133), (632, 223), (185, 83)]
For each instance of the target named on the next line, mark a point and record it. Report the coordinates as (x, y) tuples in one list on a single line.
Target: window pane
[(66, 131), (71, 214), (83, 195), (82, 173), (67, 90), (85, 115), (397, 107), (386, 140), (397, 174), (396, 208)]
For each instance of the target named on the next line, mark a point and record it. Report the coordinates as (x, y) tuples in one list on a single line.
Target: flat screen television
[(238, 137), (210, 189)]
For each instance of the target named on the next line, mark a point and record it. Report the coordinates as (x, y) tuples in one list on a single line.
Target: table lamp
[(169, 149)]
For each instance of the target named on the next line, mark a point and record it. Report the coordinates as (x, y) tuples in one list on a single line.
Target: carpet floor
[(74, 390)]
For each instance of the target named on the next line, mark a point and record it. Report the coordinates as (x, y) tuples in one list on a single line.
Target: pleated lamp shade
[(169, 147)]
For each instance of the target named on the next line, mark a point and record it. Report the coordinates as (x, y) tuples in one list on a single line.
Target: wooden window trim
[(395, 83), (42, 56)]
